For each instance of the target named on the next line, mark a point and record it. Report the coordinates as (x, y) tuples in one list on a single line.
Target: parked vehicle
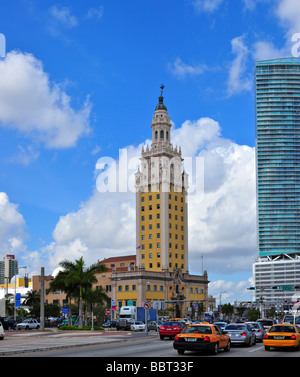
[(8, 323), (198, 337), (2, 332), (154, 325), (136, 313), (29, 324), (138, 326), (124, 324), (241, 333), (170, 329), (259, 330), (283, 335), (110, 324)]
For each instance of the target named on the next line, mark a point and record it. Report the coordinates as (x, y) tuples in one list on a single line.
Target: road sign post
[(147, 306)]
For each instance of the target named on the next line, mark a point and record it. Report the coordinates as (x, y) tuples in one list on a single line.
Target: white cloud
[(96, 13), (207, 6), (12, 225), (230, 290), (44, 111), (181, 70), (239, 80), (266, 50), (63, 15)]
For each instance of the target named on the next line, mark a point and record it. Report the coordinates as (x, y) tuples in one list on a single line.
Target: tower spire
[(161, 105)]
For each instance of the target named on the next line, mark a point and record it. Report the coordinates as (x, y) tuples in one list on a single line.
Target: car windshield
[(197, 330), (26, 320), (282, 329), (235, 327)]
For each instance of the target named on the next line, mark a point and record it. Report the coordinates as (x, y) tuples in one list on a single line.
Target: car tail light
[(176, 337), (206, 339), (266, 336), (293, 337), (259, 331), (162, 327), (243, 334)]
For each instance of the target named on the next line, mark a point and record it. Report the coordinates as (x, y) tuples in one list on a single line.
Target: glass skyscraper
[(278, 172), (278, 155)]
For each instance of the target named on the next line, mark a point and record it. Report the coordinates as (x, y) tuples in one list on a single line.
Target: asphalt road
[(133, 346)]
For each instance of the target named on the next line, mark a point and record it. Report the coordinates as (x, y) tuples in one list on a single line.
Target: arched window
[(161, 134), (155, 135), (167, 135)]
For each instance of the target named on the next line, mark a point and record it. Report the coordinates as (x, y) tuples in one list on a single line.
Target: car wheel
[(227, 349), (267, 348), (181, 352), (37, 327), (162, 337), (2, 337), (27, 328), (215, 350)]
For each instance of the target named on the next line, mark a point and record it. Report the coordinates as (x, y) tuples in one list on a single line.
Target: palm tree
[(76, 277), (33, 297), (60, 283), (95, 296)]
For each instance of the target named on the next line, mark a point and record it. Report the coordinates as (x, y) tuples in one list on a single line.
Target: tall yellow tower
[(161, 200), (160, 274)]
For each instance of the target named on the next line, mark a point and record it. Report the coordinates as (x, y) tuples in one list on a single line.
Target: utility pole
[(42, 299)]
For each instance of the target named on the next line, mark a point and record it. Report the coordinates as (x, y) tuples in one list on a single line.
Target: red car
[(171, 329)]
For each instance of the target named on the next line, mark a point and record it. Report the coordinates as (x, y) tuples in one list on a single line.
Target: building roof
[(117, 259)]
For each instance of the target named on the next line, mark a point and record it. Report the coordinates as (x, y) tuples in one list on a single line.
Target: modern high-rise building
[(8, 268), (278, 179)]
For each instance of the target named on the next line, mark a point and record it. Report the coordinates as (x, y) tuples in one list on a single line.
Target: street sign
[(65, 310), (287, 288), (107, 311), (147, 305)]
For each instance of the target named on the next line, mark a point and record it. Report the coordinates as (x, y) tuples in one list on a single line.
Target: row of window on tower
[(162, 135)]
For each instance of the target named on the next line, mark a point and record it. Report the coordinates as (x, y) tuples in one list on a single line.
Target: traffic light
[(276, 287), (252, 288), (297, 286)]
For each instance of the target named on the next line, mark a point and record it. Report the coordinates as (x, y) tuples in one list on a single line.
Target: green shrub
[(67, 327)]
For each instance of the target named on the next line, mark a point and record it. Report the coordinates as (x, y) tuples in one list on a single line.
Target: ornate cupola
[(161, 125)]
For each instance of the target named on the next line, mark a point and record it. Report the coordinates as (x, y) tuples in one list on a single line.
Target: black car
[(110, 324), (8, 323)]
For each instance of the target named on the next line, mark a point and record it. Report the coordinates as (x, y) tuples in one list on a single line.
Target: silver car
[(221, 325), (241, 333), (258, 329)]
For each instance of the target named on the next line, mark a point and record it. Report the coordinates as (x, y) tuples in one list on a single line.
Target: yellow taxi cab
[(282, 335), (201, 337)]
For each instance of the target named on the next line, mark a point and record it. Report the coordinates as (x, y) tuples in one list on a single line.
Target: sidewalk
[(33, 341)]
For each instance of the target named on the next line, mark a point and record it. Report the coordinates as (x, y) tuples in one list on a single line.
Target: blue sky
[(81, 80)]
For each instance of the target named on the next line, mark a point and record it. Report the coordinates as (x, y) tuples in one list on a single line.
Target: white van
[(2, 332), (292, 319)]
